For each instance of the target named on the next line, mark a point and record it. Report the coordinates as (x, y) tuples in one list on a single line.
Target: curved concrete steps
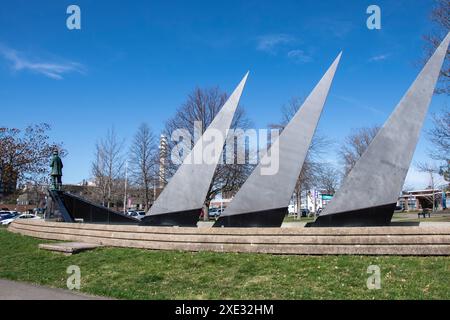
[(312, 241)]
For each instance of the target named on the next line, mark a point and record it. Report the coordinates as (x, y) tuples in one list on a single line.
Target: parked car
[(136, 214), (4, 213), (37, 211), (214, 212), (21, 216), (4, 216), (9, 212), (141, 213), (305, 212), (8, 215)]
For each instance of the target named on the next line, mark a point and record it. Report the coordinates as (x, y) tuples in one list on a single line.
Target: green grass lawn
[(397, 217), (145, 274), (302, 219), (412, 217)]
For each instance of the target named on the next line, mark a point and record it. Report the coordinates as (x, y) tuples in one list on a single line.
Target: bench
[(426, 211)]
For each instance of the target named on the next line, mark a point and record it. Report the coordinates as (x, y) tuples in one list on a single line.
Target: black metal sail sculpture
[(263, 199), (181, 201), (369, 193)]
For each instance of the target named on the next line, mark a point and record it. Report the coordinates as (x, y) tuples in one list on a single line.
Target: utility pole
[(154, 191), (432, 187), (126, 182)]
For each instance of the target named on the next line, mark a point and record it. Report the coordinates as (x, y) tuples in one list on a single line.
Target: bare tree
[(313, 163), (432, 171), (440, 16), (99, 174), (355, 145), (439, 136), (203, 105), (25, 155), (329, 179), (107, 168), (143, 161)]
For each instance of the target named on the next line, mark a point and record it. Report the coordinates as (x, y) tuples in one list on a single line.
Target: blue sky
[(136, 61)]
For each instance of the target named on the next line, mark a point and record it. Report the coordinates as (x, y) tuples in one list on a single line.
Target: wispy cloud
[(329, 26), (358, 104), (339, 29), (379, 57), (270, 42), (51, 69), (299, 56), (283, 44)]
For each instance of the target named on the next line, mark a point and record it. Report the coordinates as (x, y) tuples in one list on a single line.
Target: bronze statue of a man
[(56, 173)]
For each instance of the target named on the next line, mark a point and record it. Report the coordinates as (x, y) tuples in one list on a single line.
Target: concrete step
[(68, 248), (433, 240)]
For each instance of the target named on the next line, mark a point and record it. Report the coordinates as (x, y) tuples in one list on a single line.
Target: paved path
[(13, 290)]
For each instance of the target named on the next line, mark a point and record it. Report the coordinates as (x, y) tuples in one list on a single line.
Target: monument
[(264, 198), (71, 208), (367, 196), (369, 193), (181, 201), (56, 173)]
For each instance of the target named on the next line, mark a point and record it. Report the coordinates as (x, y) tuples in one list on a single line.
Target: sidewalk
[(13, 290)]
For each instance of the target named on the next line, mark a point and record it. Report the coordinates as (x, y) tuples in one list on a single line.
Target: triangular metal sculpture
[(181, 201), (369, 193), (263, 199)]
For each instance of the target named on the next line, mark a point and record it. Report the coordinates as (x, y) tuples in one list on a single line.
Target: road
[(13, 290)]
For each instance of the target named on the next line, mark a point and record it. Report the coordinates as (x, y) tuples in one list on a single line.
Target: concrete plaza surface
[(13, 290)]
